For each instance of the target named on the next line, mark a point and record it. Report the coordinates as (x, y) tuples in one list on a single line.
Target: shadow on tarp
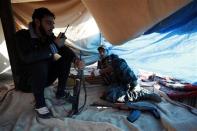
[(176, 20)]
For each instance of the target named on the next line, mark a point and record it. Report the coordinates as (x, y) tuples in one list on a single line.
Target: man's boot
[(142, 95)]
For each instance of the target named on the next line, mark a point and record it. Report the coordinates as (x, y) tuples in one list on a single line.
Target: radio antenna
[(66, 28)]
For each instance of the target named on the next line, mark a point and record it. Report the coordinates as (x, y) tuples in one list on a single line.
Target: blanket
[(17, 113)]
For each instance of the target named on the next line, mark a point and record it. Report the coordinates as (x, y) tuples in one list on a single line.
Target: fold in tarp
[(122, 20), (118, 20)]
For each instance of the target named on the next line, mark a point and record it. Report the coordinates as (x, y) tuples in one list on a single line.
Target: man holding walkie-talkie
[(41, 58)]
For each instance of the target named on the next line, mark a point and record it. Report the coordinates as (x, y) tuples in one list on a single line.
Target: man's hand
[(79, 64), (60, 39), (56, 56), (95, 72)]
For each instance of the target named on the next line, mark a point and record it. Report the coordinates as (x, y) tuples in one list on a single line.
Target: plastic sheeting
[(122, 20), (169, 48), (17, 114), (4, 59)]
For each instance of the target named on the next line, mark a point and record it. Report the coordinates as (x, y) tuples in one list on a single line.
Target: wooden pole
[(9, 31)]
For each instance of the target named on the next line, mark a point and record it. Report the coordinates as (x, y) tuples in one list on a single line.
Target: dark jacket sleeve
[(123, 71), (29, 53), (99, 64)]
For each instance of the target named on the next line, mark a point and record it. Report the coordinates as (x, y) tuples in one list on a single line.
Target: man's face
[(102, 53), (47, 25)]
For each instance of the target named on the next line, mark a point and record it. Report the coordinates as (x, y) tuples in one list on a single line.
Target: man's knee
[(39, 68), (38, 74), (66, 53), (34, 76)]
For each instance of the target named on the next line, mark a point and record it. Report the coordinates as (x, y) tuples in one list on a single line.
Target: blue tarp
[(169, 48)]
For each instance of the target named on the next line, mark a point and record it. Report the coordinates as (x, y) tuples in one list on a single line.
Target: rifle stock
[(76, 93)]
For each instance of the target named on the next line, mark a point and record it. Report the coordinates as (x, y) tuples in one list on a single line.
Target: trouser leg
[(38, 80), (60, 69), (63, 73), (119, 93)]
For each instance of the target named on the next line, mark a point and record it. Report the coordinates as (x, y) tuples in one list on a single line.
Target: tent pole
[(9, 31)]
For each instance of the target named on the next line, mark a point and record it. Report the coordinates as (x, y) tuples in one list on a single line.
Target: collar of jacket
[(32, 32)]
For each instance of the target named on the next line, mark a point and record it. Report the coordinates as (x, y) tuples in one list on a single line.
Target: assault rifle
[(76, 92), (140, 105)]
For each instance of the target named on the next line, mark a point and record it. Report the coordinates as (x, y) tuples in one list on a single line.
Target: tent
[(157, 36), (128, 28)]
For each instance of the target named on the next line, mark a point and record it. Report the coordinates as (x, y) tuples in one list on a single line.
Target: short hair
[(102, 47), (40, 13)]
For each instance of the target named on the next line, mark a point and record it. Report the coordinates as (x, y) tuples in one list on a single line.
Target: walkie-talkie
[(63, 34)]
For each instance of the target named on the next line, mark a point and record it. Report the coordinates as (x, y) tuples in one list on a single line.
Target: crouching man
[(121, 80)]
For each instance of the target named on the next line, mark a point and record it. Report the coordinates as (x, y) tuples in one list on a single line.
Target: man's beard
[(42, 31), (45, 37)]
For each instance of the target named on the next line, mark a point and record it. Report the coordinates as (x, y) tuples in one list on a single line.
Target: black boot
[(142, 95)]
